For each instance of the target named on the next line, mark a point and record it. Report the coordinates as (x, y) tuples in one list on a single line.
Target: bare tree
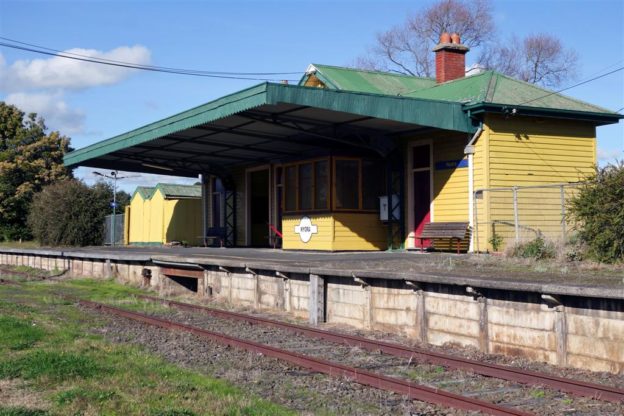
[(538, 59), (407, 48)]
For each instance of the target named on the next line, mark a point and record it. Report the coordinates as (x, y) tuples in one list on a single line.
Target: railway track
[(431, 392), (574, 387), (379, 381)]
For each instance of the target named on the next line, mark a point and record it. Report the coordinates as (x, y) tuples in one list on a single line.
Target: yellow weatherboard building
[(163, 214), (362, 160)]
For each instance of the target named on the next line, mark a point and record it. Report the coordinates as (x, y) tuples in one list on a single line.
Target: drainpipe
[(469, 150)]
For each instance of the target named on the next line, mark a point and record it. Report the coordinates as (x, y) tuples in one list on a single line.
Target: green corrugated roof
[(412, 100), (492, 87), (173, 191), (430, 113), (145, 192), (368, 81), (488, 87)]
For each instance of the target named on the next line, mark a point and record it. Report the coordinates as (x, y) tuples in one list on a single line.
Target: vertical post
[(476, 221), (515, 208), (114, 174), (561, 331), (471, 199), (421, 315), (483, 324), (316, 305), (202, 181), (563, 215)]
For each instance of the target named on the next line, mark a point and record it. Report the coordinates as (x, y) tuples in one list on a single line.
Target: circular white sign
[(305, 229)]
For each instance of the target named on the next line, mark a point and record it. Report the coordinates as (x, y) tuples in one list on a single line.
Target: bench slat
[(440, 230)]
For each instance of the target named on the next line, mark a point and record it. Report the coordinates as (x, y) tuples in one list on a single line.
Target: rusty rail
[(575, 387), (412, 390)]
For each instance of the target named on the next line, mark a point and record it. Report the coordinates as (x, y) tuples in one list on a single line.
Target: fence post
[(563, 214), (515, 208), (476, 220)]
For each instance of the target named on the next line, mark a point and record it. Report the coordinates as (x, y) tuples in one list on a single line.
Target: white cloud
[(63, 73), (609, 155), (132, 179), (51, 106)]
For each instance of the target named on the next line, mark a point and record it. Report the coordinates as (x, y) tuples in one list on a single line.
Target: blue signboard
[(451, 164)]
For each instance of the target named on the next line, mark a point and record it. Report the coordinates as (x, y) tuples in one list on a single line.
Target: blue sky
[(262, 36)]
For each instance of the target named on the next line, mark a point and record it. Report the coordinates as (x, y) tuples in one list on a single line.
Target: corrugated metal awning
[(270, 123)]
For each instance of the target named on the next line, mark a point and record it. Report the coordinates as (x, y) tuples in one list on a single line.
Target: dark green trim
[(222, 107), (430, 113), (518, 110)]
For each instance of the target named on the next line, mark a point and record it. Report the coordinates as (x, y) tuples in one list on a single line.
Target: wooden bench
[(214, 232), (451, 230)]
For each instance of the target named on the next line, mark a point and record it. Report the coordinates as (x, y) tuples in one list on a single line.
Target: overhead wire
[(179, 71), (150, 66), (573, 86)]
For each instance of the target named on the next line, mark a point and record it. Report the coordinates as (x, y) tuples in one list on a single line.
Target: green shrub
[(69, 213), (598, 213), (537, 249)]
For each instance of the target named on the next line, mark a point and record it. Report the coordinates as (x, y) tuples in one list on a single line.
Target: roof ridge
[(451, 82), (174, 184), (491, 87), (373, 71)]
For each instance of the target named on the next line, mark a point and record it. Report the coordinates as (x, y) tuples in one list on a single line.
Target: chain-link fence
[(119, 229), (511, 215)]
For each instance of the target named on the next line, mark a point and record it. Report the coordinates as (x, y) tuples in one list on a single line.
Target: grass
[(20, 244), (46, 347), (18, 334), (22, 411)]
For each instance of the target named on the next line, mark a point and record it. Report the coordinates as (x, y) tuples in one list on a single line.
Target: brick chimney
[(450, 58)]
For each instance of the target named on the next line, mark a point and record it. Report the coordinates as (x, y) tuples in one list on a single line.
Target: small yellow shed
[(164, 213)]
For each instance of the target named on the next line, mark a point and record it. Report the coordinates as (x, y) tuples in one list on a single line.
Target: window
[(347, 180), (306, 186), (420, 157), (290, 200), (321, 184), (373, 184), (357, 185)]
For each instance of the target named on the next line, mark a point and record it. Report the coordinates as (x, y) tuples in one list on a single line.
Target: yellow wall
[(510, 152), (450, 186), (337, 232), (158, 221), (530, 151), (156, 225), (138, 219), (183, 220)]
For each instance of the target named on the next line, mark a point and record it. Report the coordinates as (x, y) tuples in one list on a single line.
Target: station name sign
[(306, 229)]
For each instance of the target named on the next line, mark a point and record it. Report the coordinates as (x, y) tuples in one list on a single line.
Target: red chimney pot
[(445, 38)]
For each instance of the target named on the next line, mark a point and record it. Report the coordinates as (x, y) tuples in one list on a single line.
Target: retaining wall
[(564, 328)]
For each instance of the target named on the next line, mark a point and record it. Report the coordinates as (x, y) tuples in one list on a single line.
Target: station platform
[(481, 270)]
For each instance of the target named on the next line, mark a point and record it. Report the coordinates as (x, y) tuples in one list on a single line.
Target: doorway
[(259, 202), (421, 197)]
